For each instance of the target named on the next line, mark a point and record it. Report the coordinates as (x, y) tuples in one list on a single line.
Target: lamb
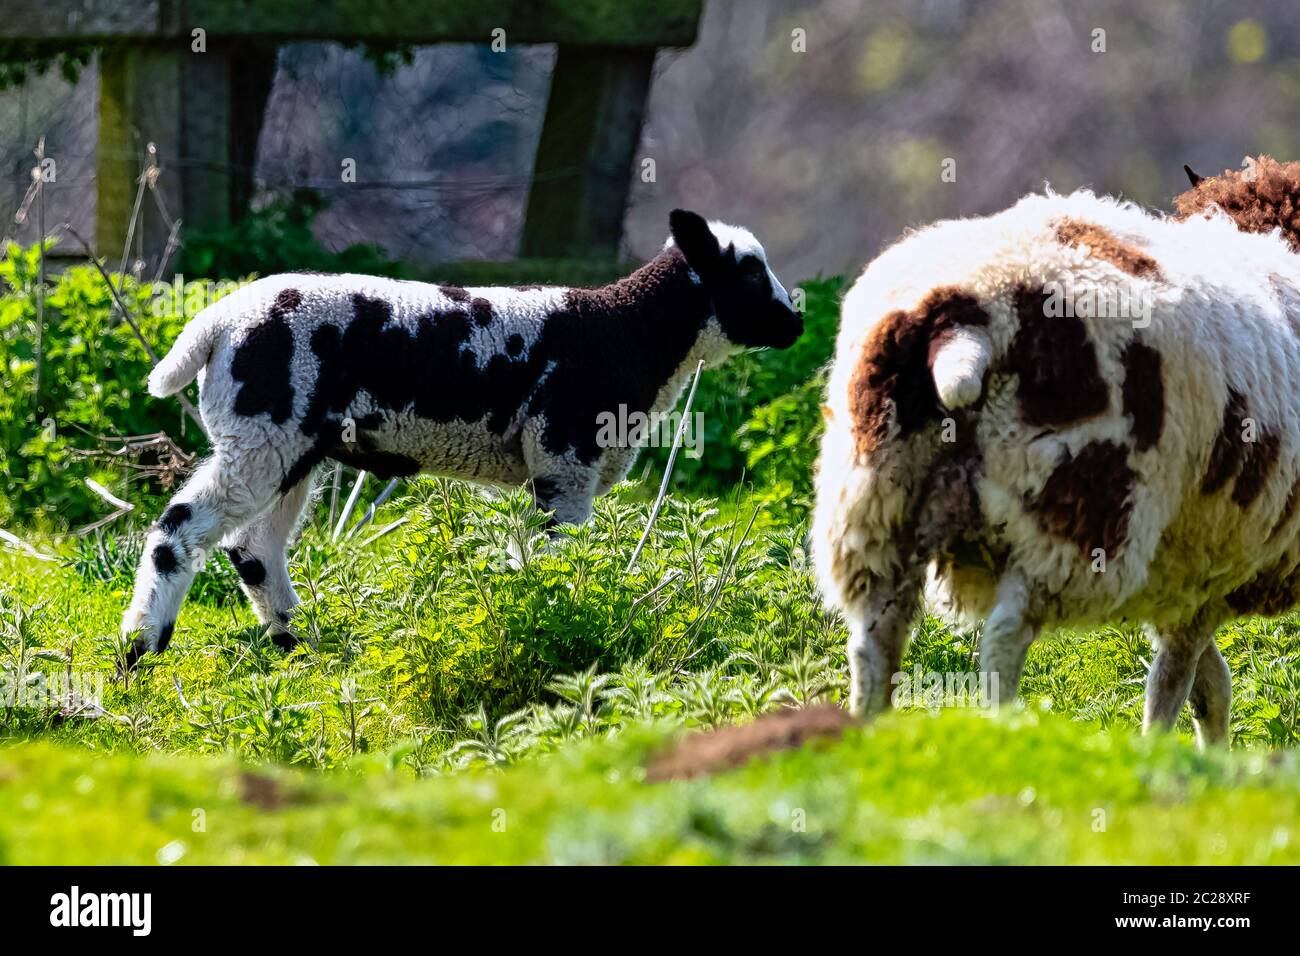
[(497, 385), (1002, 443)]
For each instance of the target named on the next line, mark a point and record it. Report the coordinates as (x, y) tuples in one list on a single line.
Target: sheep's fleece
[(1072, 412)]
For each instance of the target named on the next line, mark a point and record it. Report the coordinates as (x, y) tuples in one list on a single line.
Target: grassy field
[(454, 689), (956, 788), (450, 687)]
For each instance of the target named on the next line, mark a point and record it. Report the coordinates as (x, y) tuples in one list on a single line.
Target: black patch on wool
[(381, 464), (429, 371), (481, 310), (164, 559), (613, 346), (1060, 380), (515, 344), (261, 363), (250, 570), (1144, 394), (165, 636), (174, 517)]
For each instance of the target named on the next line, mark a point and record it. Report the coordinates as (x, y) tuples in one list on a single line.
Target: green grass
[(958, 788)]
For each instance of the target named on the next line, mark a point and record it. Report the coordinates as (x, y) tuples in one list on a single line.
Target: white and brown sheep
[(1072, 413), (505, 386)]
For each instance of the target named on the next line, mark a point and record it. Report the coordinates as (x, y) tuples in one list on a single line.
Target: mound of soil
[(704, 753)]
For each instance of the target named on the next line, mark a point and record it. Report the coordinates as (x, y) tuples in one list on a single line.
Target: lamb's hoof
[(140, 647), (137, 650), (284, 640)]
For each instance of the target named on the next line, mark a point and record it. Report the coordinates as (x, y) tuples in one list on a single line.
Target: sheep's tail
[(189, 353), (959, 364)]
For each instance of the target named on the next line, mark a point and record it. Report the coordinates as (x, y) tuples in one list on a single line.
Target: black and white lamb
[(1071, 413), (498, 385)]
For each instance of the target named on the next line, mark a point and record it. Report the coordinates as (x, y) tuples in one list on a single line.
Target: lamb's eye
[(751, 269)]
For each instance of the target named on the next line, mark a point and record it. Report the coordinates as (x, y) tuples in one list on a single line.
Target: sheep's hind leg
[(1008, 632), (1211, 697), (260, 556), (877, 639), (1173, 672), (213, 501)]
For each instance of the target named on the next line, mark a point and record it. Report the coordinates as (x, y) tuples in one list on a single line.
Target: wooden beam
[(586, 22), (180, 101), (581, 175)]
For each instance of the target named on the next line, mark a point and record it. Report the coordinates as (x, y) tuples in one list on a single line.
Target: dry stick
[(135, 217), (370, 512), (668, 469), (334, 493), (108, 496), (126, 314), (23, 546), (38, 175), (386, 529), (351, 503)]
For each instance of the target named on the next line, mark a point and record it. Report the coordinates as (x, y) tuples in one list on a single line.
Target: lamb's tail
[(189, 353)]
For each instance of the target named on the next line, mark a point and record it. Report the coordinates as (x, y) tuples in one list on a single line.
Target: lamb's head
[(1261, 196), (751, 305)]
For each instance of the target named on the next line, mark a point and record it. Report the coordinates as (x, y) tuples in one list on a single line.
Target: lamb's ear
[(696, 240), (1193, 176)]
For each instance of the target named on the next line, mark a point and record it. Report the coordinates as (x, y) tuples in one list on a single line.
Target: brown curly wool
[(1260, 198)]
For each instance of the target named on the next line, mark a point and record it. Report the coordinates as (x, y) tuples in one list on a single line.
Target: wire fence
[(442, 147)]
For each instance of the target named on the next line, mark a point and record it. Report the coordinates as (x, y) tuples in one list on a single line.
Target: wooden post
[(179, 100), (581, 176)]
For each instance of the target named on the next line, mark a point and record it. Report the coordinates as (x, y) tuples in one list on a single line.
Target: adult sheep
[(498, 385), (1071, 413)]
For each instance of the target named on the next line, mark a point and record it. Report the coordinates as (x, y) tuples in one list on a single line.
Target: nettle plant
[(475, 611)]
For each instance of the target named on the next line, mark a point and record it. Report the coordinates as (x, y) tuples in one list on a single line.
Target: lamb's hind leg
[(259, 553), (1169, 682), (1008, 632), (217, 498), (1211, 697), (877, 639)]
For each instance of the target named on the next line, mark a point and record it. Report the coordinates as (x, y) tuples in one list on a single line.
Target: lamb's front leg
[(568, 495)]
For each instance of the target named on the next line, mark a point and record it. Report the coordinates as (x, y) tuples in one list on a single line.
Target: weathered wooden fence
[(193, 77)]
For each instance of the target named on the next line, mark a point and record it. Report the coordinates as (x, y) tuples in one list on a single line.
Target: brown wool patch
[(893, 372), (1144, 394), (455, 293), (1268, 594), (1257, 464), (1056, 363), (1103, 245), (705, 753), (1258, 199), (1087, 499)]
